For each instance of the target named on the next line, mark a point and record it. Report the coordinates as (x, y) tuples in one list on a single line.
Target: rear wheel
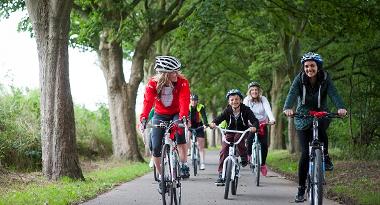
[(166, 177), (227, 178), (317, 178)]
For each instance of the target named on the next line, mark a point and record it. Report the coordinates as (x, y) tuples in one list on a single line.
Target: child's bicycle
[(256, 158), (231, 165), (170, 182), (316, 174), (194, 151)]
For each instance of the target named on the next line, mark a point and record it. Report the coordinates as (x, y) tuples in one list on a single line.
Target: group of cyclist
[(169, 92)]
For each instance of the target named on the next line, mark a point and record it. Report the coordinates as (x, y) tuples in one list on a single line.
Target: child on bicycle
[(238, 117), (169, 92), (261, 108), (310, 88), (198, 118)]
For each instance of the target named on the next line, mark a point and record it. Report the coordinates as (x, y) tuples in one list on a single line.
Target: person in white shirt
[(261, 108)]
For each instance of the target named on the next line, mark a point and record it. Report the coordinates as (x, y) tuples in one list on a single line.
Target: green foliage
[(9, 6), (19, 128), (68, 191), (93, 131)]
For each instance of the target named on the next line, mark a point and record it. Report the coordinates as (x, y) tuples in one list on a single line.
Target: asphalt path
[(274, 189)]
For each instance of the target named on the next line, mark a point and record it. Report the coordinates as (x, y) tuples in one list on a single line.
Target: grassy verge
[(351, 182), (67, 191)]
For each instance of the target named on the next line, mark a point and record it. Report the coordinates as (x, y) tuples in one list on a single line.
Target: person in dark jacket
[(310, 88), (198, 118), (238, 117)]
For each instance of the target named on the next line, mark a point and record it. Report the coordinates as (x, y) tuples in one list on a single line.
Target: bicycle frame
[(231, 151)]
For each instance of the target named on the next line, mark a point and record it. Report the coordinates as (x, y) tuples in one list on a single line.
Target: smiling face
[(254, 92), (193, 102), (310, 67), (234, 101)]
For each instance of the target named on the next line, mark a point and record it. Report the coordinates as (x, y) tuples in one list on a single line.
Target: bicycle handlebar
[(317, 114), (195, 129), (234, 131)]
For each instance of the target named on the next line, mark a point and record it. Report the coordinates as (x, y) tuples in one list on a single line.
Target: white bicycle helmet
[(167, 64)]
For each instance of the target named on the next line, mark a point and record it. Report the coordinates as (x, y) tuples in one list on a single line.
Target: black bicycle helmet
[(194, 97), (234, 92), (167, 64)]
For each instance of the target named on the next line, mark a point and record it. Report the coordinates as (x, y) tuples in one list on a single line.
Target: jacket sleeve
[(294, 92), (184, 99), (252, 118), (267, 109), (223, 116), (333, 93), (149, 98), (204, 116)]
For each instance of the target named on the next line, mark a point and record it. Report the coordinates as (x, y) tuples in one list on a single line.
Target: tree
[(126, 29), (51, 24)]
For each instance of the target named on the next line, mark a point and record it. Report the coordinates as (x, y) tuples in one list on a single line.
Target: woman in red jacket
[(169, 92)]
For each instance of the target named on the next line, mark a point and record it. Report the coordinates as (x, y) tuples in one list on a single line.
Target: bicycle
[(170, 182), (316, 174), (231, 165), (194, 150), (256, 158)]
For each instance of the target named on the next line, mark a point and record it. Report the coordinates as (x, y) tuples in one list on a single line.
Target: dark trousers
[(242, 151), (305, 137), (263, 140)]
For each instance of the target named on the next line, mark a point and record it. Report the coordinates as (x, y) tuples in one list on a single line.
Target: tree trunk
[(120, 98), (51, 23), (293, 146), (276, 134)]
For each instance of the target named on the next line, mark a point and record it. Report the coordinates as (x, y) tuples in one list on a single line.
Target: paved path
[(199, 190)]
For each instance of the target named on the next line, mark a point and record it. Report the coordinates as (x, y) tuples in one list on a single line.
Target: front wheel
[(194, 161), (227, 178), (257, 164), (177, 187), (166, 177), (235, 182), (317, 187)]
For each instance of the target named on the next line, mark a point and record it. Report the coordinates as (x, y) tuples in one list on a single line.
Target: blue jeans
[(158, 133)]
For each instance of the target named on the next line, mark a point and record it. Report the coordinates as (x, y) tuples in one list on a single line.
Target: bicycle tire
[(257, 164), (317, 179), (177, 190), (235, 182), (166, 178), (227, 178), (194, 161)]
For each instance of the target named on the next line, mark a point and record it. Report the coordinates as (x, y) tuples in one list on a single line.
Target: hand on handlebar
[(212, 125), (342, 112), (252, 129), (288, 112)]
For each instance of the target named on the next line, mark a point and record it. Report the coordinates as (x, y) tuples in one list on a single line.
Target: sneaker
[(329, 166), (185, 171), (244, 161), (300, 197), (219, 181), (202, 167), (264, 170)]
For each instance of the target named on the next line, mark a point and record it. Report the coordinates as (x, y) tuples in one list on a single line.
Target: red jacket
[(180, 104)]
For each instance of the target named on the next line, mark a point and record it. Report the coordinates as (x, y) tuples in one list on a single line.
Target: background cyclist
[(311, 87), (198, 118), (169, 92), (238, 117), (261, 108)]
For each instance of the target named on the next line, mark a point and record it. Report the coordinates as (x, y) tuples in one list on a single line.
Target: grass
[(352, 182), (68, 191)]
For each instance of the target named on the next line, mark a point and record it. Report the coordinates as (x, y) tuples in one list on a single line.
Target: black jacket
[(241, 123)]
